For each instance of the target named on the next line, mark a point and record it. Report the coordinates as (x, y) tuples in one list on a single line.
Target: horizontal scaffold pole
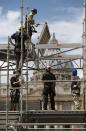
[(54, 46), (62, 57)]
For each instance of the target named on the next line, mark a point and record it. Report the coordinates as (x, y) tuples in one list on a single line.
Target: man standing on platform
[(75, 90), (49, 88), (15, 91)]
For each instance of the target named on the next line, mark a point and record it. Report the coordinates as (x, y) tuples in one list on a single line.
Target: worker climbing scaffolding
[(17, 45), (26, 38), (30, 23)]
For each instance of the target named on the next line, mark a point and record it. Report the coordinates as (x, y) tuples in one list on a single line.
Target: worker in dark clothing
[(17, 45), (49, 88), (15, 93), (31, 22), (75, 90)]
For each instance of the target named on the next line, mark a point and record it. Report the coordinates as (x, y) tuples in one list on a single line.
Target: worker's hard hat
[(48, 68), (74, 71), (34, 11), (19, 27)]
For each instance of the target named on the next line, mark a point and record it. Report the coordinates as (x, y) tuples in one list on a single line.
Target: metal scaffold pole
[(27, 19), (0, 80), (84, 52), (7, 88), (21, 51), (27, 65)]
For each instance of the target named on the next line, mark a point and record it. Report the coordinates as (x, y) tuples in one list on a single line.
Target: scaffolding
[(40, 47)]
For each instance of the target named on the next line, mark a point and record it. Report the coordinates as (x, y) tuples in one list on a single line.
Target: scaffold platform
[(33, 117), (54, 117)]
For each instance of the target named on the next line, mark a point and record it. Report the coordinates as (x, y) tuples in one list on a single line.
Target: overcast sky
[(64, 18)]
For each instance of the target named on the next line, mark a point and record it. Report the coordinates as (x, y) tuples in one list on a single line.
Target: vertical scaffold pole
[(84, 52), (0, 80), (27, 65), (7, 87), (27, 19), (21, 51)]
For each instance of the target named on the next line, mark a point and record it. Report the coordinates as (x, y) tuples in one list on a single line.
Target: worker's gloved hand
[(37, 24)]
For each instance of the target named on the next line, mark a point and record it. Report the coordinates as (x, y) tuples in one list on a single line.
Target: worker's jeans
[(48, 91)]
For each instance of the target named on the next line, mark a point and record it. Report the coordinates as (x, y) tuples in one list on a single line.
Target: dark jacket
[(49, 87), (14, 79), (17, 37), (49, 76)]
